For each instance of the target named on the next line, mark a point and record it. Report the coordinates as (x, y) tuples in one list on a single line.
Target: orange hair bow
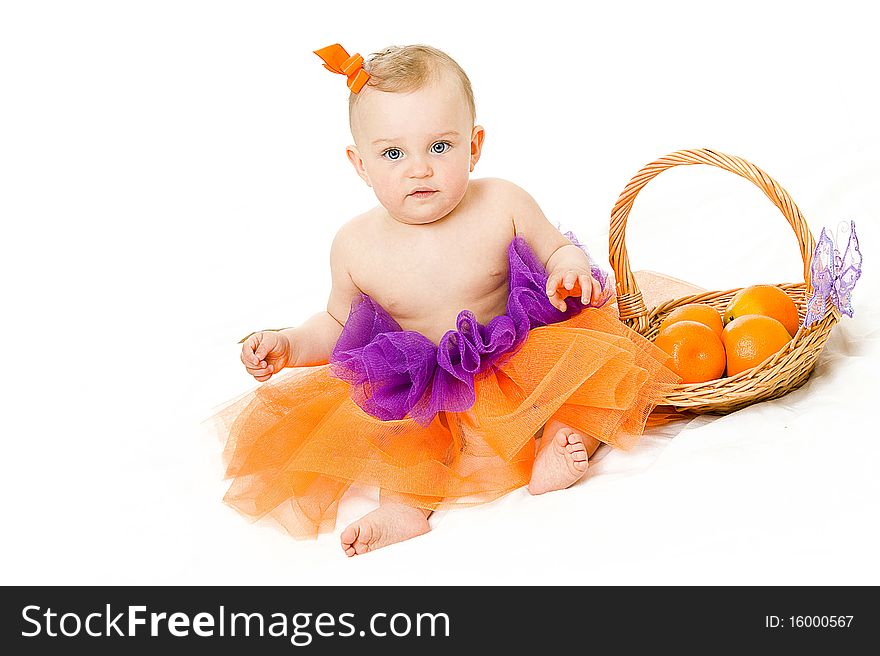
[(336, 59)]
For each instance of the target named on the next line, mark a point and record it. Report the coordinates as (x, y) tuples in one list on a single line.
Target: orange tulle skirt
[(295, 444)]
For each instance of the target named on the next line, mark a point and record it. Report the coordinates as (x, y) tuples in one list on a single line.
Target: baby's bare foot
[(386, 525), (560, 462)]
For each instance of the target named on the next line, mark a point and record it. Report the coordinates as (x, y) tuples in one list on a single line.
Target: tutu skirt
[(295, 444)]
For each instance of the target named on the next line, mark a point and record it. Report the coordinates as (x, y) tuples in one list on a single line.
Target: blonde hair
[(409, 68)]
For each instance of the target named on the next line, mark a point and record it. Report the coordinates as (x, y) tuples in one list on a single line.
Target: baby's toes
[(576, 447), (578, 454), (365, 537), (562, 436), (348, 536)]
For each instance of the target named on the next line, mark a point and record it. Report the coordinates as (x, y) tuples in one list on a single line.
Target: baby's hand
[(565, 282), (265, 353)]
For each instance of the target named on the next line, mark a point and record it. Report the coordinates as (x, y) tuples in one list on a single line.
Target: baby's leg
[(561, 459), (393, 521)]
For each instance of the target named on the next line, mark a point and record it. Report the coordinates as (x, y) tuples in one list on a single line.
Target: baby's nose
[(419, 167)]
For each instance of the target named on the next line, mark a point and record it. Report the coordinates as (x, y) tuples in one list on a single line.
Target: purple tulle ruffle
[(395, 372)]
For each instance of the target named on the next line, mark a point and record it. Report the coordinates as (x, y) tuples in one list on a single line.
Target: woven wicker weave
[(785, 370)]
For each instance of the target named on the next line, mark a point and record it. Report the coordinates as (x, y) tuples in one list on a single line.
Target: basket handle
[(629, 299)]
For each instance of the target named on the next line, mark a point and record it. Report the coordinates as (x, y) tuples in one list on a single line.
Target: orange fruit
[(750, 339), (699, 312), (768, 300), (697, 352)]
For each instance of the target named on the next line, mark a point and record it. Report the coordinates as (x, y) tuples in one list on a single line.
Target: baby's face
[(424, 139)]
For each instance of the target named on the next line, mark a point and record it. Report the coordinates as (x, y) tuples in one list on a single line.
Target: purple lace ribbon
[(395, 372), (834, 272)]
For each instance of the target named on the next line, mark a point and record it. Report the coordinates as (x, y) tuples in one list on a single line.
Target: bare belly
[(441, 318)]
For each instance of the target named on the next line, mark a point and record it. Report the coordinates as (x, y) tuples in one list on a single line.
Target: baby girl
[(467, 347)]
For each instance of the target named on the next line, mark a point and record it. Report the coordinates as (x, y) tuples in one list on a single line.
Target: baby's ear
[(357, 162), (477, 137)]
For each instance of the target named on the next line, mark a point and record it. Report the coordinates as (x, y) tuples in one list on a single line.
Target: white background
[(172, 174)]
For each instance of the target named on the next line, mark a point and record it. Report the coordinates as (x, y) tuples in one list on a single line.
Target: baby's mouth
[(427, 193)]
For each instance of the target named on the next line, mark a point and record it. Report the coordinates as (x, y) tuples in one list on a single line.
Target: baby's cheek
[(456, 189), (386, 196)]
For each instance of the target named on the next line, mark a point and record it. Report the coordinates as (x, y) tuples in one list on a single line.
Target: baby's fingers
[(261, 373), (558, 302), (590, 289), (263, 347), (553, 281), (248, 356)]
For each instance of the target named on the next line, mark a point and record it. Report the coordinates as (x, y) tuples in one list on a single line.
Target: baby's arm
[(567, 266), (312, 342)]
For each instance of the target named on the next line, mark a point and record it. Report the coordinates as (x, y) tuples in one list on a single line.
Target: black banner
[(432, 619)]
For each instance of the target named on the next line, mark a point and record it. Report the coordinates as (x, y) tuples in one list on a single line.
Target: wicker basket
[(785, 370)]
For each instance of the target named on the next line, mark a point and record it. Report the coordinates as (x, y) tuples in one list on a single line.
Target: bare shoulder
[(527, 217), (348, 231), (501, 188), (498, 198), (349, 239), (513, 201)]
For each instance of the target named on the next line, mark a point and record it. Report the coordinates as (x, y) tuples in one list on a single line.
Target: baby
[(437, 243)]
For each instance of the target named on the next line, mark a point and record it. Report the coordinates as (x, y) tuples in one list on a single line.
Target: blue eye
[(393, 158), (446, 146)]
